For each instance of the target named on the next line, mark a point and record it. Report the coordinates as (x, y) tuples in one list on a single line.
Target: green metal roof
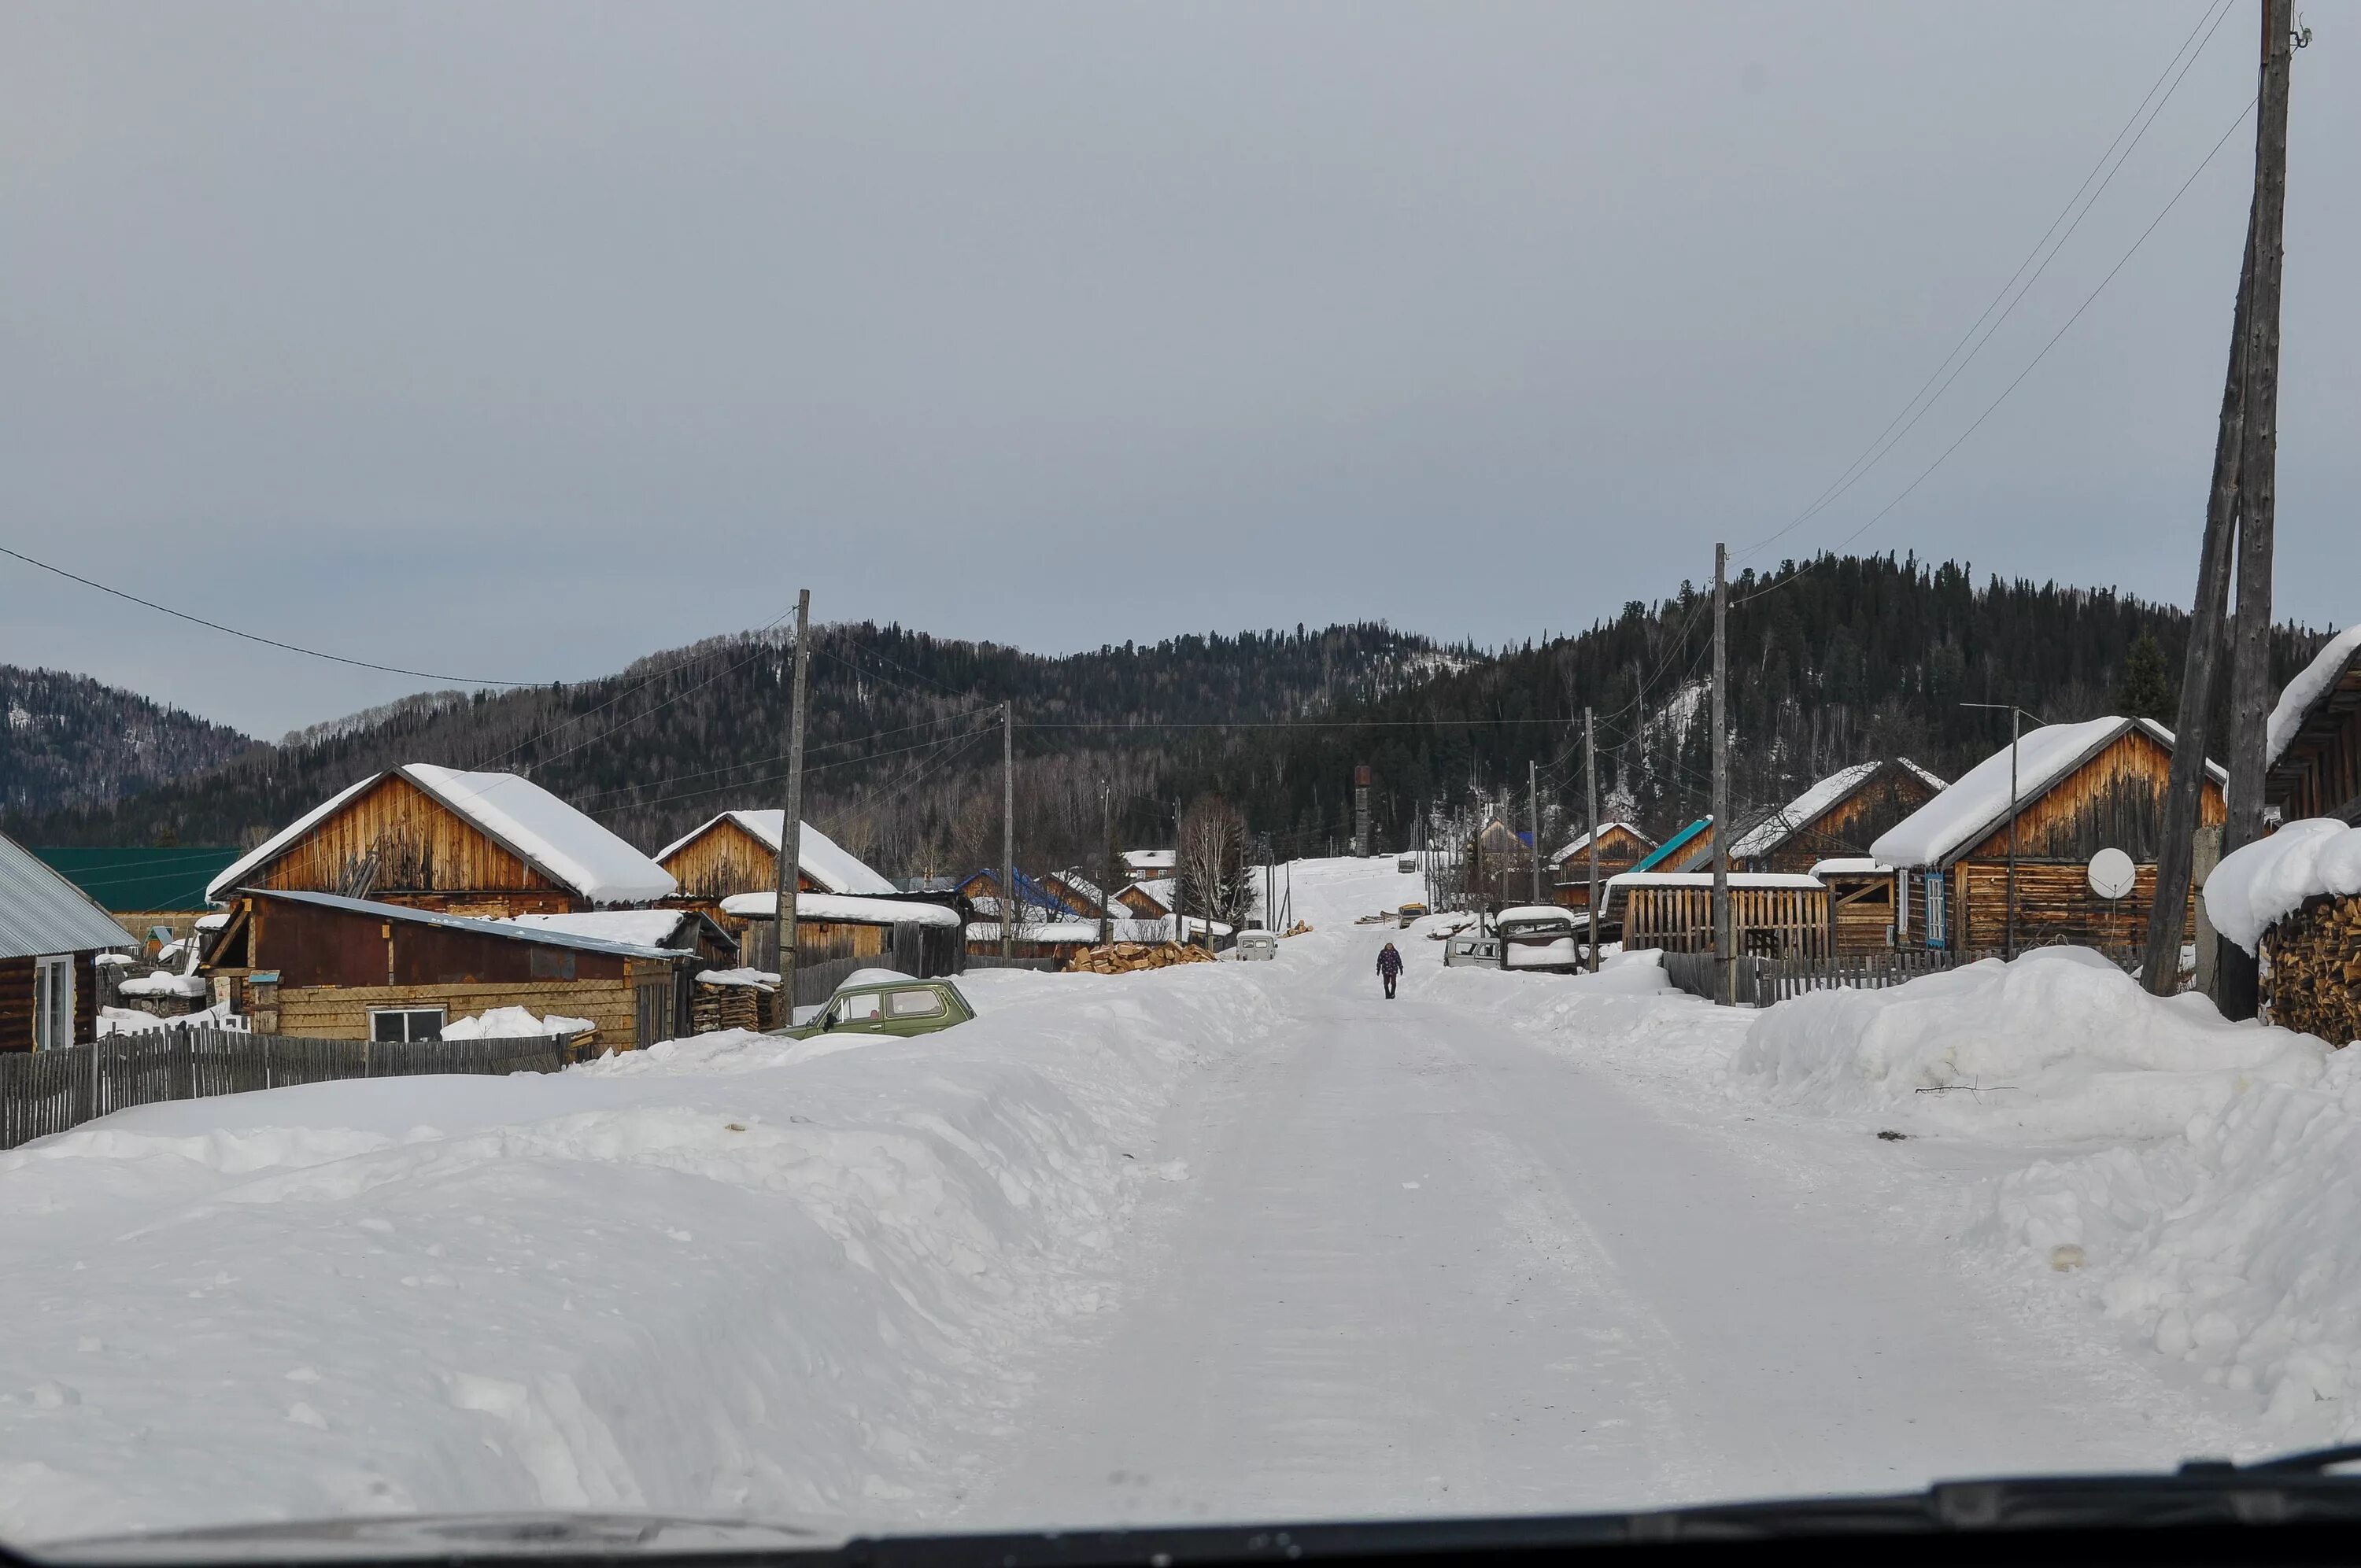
[(141, 881)]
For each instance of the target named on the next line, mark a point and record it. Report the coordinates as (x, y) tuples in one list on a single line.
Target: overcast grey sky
[(518, 340)]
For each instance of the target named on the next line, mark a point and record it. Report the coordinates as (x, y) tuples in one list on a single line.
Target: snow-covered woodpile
[(2313, 957), (1129, 958)]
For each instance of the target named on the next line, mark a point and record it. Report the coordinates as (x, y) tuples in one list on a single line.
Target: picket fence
[(51, 1092), (1758, 982)]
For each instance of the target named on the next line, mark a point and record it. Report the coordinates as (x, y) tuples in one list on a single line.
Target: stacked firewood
[(728, 1007), (1129, 958), (2315, 970), (1302, 928)]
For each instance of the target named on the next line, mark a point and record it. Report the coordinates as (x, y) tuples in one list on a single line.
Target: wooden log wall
[(397, 843), (2054, 903), (342, 1012), (725, 860), (2114, 801), (2313, 970), (1764, 922), (17, 1001), (1861, 910)]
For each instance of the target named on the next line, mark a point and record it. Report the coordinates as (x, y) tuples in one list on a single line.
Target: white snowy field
[(1221, 1240)]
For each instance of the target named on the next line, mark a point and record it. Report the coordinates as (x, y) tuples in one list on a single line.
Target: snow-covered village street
[(1221, 1241)]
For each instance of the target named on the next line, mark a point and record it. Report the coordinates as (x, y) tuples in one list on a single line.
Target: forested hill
[(903, 739), (1838, 661), (67, 741)]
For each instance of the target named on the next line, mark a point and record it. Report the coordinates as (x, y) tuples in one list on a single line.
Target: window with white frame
[(54, 1002), (397, 1024)]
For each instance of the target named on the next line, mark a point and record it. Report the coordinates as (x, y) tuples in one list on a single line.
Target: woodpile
[(728, 1007), (1301, 928), (2315, 970), (1130, 958)]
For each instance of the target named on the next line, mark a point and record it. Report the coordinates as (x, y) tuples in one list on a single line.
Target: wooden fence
[(1759, 983), (51, 1092)]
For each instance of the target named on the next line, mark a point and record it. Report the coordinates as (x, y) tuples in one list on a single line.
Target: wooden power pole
[(2250, 662), (1534, 819), (1007, 833), (1106, 863), (791, 818), (1725, 985), (1590, 794)]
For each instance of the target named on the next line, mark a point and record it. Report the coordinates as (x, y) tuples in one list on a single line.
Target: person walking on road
[(1389, 967)]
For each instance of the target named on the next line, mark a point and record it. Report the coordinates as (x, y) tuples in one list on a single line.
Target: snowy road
[(1425, 1265)]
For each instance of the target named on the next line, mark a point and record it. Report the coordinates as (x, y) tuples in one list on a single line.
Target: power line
[(254, 636)]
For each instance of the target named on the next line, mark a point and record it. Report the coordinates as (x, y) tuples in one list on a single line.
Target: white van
[(1538, 937), (1257, 947)]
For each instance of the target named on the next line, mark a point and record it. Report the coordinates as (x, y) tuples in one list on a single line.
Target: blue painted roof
[(1672, 846)]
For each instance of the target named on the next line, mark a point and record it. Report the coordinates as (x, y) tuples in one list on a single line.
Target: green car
[(885, 1002)]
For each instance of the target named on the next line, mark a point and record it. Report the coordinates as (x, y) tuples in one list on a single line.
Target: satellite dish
[(2113, 873)]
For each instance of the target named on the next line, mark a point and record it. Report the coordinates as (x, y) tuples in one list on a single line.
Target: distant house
[(1841, 815), (1150, 900), (1690, 846), (50, 937), (1077, 891), (476, 844), (1034, 898), (738, 851), (326, 967), (1622, 847), (144, 889), (1150, 865), (2313, 741), (919, 936), (2079, 788)]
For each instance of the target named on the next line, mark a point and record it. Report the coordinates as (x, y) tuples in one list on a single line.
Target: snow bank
[(2326, 667), (513, 1024), (2271, 877), (165, 985), (2059, 1044), (131, 1021), (721, 1276)]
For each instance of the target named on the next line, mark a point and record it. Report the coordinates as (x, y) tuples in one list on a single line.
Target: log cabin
[(2313, 743), (738, 851), (1078, 892), (326, 967), (1622, 847), (477, 844), (1772, 915), (2079, 788), (1841, 815), (51, 935), (1150, 900)]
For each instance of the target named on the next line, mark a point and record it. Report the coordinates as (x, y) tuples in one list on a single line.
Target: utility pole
[(1180, 903), (1590, 792), (2009, 938), (2250, 673), (1534, 819), (791, 818), (1007, 833), (2175, 869), (1725, 984), (1106, 864)]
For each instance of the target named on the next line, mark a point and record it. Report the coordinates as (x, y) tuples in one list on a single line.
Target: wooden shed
[(332, 967), (1860, 903), (917, 934), (1622, 847), (51, 936), (1776, 915), (2079, 788), (1840, 815), (738, 851), (477, 844), (2312, 745)]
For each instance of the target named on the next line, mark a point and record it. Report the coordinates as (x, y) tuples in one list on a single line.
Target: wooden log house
[(326, 967), (477, 844), (1860, 903), (2312, 744), (1622, 847), (2079, 788), (51, 936), (1774, 915), (1840, 815)]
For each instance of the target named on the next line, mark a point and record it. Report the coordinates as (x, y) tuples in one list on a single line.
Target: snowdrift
[(2058, 1046), (2255, 885)]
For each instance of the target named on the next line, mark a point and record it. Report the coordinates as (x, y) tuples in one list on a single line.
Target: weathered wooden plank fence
[(1759, 983), (51, 1091)]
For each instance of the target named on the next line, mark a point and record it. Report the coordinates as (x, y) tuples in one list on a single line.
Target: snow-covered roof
[(640, 927), (1978, 804), (215, 921), (847, 907), (1751, 881), (1088, 930), (511, 810), (755, 979), (403, 914), (1160, 889), (1533, 912), (1851, 865), (1581, 841), (2325, 669), (1076, 882), (2255, 885), (1137, 860), (41, 911), (1768, 834), (823, 859)]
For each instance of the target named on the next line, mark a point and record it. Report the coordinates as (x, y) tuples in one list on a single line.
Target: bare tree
[(1213, 859)]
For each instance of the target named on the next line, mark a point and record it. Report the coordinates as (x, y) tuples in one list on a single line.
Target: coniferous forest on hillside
[(1832, 661)]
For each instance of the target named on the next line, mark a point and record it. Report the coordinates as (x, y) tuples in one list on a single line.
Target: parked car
[(1407, 865), (1409, 912), (1257, 947), (1538, 937), (886, 1002), (1477, 948)]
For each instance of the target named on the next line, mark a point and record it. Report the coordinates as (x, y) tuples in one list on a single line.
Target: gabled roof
[(1816, 802), (1970, 811), (41, 913), (1672, 846), (1139, 861), (834, 868), (2317, 681), (402, 914), (1582, 841), (523, 819), (1076, 882), (1160, 890)]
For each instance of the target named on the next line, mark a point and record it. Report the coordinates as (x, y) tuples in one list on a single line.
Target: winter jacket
[(1388, 962)]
